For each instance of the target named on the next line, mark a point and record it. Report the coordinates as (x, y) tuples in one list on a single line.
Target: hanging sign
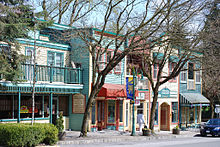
[(129, 87)]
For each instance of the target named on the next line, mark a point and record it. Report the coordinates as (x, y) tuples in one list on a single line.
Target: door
[(101, 115), (164, 117)]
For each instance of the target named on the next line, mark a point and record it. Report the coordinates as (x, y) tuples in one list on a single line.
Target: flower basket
[(146, 132), (176, 130)]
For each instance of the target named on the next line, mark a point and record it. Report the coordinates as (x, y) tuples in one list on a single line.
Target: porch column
[(19, 106), (117, 115), (51, 107)]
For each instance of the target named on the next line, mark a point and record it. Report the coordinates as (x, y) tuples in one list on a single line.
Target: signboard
[(129, 87), (165, 92), (78, 103), (137, 102)]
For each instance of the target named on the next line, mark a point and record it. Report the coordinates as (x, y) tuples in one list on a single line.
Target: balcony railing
[(52, 74)]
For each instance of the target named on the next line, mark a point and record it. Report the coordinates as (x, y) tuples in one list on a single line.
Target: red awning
[(112, 91)]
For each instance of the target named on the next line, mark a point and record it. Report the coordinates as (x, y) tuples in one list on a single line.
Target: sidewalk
[(72, 137)]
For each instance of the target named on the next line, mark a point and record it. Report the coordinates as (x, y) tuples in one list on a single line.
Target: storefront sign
[(129, 87), (137, 103), (78, 103), (165, 92)]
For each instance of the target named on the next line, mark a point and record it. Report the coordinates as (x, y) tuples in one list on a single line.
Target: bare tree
[(176, 42), (128, 23), (211, 60)]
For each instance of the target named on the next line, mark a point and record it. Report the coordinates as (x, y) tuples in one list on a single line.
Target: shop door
[(101, 115), (164, 117)]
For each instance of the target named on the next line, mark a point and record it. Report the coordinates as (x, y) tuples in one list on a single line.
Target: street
[(196, 141)]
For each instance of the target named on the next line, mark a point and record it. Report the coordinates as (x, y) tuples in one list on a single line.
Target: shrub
[(27, 135), (59, 123)]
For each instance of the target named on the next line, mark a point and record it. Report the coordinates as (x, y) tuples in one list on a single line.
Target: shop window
[(191, 71), (93, 114), (111, 111), (174, 112), (127, 113), (147, 113), (64, 105), (121, 110), (156, 114)]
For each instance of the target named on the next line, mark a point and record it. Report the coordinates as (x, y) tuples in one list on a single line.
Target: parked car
[(211, 127)]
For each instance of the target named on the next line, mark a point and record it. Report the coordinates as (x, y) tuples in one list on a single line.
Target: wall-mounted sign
[(165, 92), (78, 103)]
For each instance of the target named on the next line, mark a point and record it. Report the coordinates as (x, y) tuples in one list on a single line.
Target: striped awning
[(193, 98)]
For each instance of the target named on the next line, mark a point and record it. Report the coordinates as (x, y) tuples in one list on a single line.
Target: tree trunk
[(212, 108), (153, 108), (87, 111)]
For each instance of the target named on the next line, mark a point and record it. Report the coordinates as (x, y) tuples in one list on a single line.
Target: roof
[(194, 98)]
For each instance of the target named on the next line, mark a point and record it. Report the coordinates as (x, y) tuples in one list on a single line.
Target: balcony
[(52, 74)]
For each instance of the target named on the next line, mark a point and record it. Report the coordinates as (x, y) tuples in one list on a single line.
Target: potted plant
[(146, 131), (176, 130), (60, 127)]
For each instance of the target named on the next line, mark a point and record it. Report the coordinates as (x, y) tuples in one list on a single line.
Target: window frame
[(171, 66)]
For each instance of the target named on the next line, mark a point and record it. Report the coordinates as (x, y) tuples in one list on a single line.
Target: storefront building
[(56, 83)]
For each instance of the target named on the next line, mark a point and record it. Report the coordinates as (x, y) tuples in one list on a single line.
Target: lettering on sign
[(78, 103)]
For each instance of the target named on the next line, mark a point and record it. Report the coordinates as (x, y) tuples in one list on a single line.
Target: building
[(57, 82), (190, 97)]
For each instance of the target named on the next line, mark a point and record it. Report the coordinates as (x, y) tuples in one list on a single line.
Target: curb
[(116, 139)]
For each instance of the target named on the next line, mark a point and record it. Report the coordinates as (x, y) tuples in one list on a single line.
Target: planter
[(61, 135), (176, 131), (146, 132)]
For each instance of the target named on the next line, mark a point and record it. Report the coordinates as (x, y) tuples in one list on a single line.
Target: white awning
[(193, 98)]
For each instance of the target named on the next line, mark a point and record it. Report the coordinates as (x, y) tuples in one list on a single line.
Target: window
[(109, 55), (190, 71), (127, 113), (183, 74), (93, 114), (118, 66), (171, 68), (111, 111), (121, 110), (174, 112), (147, 113), (101, 62), (55, 59), (30, 60), (198, 76), (155, 71), (156, 115), (140, 108)]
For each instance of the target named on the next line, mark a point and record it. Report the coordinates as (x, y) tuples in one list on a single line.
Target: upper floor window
[(101, 62), (109, 55), (171, 68), (55, 59), (198, 76), (155, 71), (118, 66), (183, 74), (191, 71)]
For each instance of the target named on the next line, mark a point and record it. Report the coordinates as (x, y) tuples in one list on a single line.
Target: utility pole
[(133, 119)]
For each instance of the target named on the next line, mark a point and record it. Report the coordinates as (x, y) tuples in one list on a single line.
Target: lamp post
[(133, 120)]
